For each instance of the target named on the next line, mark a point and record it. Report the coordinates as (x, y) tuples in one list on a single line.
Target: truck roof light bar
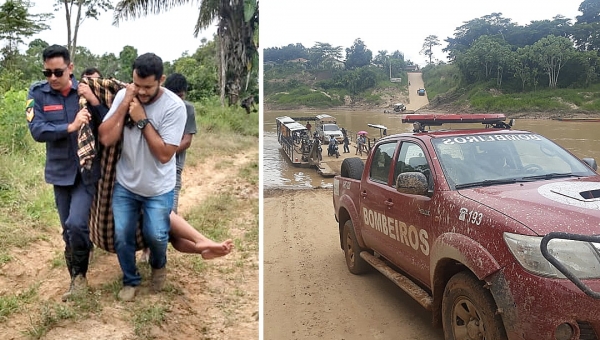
[(420, 121)]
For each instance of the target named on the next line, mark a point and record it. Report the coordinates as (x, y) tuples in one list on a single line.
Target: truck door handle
[(388, 203), (363, 194)]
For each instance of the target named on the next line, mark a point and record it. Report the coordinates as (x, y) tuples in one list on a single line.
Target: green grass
[(250, 173), (148, 315), (49, 315)]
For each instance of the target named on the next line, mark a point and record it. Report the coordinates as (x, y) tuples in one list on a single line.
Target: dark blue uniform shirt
[(52, 113)]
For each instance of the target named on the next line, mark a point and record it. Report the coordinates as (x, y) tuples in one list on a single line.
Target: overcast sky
[(168, 35), (391, 24)]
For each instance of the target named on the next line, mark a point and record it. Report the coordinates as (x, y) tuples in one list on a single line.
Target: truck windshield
[(497, 158)]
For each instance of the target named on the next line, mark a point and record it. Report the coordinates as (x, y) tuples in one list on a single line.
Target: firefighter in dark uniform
[(54, 117)]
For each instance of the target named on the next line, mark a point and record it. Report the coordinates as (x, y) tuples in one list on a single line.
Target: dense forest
[(490, 52)]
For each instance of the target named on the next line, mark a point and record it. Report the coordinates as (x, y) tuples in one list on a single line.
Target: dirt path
[(309, 293), (216, 299), (415, 102)]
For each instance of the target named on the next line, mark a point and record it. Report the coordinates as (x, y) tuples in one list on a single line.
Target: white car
[(331, 131)]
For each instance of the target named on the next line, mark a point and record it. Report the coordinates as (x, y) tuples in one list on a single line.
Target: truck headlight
[(581, 258)]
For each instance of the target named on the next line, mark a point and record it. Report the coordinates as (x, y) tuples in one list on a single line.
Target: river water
[(581, 138)]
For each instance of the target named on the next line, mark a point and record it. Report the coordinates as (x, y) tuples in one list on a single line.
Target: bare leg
[(187, 239)]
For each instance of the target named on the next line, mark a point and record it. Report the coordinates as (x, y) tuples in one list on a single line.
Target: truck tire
[(352, 168), (466, 298), (356, 264)]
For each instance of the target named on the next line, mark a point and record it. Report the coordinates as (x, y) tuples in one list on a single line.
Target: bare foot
[(212, 249)]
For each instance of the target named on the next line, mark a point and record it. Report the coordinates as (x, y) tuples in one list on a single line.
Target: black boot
[(69, 260), (78, 270)]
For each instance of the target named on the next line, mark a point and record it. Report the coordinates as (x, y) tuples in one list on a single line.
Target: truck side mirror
[(414, 183), (592, 163)]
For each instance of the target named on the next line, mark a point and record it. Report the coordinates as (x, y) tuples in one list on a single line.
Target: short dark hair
[(56, 51), (148, 64), (176, 83), (89, 71)]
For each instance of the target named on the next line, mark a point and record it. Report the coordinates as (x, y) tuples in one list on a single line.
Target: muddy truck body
[(489, 228)]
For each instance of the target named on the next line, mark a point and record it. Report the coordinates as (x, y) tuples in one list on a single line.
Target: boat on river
[(299, 147), (579, 119), (295, 141)]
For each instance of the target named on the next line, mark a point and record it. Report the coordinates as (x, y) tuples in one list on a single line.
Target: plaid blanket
[(101, 223)]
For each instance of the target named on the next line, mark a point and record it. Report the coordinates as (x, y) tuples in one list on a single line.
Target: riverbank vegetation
[(493, 65)]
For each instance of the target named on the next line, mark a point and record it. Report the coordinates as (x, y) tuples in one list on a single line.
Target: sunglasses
[(58, 73)]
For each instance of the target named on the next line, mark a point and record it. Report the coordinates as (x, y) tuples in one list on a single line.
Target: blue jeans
[(155, 228)]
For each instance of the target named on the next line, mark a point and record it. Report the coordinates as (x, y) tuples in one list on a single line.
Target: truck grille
[(587, 331)]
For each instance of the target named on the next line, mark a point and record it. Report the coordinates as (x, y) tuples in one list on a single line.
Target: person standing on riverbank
[(346, 144)]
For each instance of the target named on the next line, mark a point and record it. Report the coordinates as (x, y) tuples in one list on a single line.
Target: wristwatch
[(141, 124)]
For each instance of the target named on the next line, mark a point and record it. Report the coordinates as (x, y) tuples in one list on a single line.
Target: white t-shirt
[(137, 169)]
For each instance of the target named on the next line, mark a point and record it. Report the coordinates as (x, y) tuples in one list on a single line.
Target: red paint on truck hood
[(546, 206)]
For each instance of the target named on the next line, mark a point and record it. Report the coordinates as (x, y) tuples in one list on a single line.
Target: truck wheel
[(469, 310), (356, 264), (352, 168)]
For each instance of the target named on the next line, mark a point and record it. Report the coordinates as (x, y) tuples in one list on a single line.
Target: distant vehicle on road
[(421, 92)]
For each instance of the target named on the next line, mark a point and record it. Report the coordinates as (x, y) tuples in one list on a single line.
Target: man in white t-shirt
[(150, 121)]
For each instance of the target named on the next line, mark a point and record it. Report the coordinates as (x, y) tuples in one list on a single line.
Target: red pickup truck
[(489, 228)]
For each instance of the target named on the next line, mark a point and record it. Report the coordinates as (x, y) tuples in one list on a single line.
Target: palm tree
[(237, 35)]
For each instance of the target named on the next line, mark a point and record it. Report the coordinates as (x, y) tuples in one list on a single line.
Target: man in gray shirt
[(150, 122)]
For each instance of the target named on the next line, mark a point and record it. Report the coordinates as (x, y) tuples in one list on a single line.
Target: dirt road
[(415, 102), (309, 293)]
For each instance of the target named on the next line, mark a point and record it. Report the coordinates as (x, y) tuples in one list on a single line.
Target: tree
[(428, 45), (522, 65), (552, 53), (17, 23), (108, 63), (381, 58), (76, 11), (285, 53), (324, 55), (237, 35), (590, 12), (465, 35), (358, 55), (126, 58)]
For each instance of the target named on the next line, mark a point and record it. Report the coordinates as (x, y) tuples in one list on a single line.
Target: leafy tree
[(237, 35), (586, 36), (428, 45), (285, 53), (520, 36), (552, 53), (324, 55), (590, 12), (522, 65), (108, 64), (465, 35), (32, 60), (126, 58), (16, 23), (358, 55), (85, 59), (381, 58), (76, 11)]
